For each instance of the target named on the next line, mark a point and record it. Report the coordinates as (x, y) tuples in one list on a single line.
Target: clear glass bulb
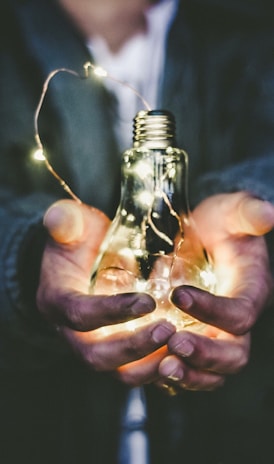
[(152, 245)]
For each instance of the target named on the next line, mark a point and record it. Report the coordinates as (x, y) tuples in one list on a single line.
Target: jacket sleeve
[(255, 176), (252, 168), (26, 341)]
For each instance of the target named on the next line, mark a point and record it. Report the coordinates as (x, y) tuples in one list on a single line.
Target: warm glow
[(130, 217), (143, 170), (38, 155), (145, 199), (98, 71), (208, 278)]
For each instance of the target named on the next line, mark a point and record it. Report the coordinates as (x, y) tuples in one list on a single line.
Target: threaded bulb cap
[(154, 129)]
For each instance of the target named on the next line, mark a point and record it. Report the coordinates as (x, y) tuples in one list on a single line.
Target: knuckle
[(242, 360), (91, 358), (242, 363), (246, 318), (136, 346), (240, 357), (76, 319), (134, 350), (128, 379)]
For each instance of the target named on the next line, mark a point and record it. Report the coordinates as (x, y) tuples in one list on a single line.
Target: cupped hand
[(232, 228), (75, 234), (191, 361)]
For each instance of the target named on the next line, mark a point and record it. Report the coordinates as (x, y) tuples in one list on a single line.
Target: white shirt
[(140, 63)]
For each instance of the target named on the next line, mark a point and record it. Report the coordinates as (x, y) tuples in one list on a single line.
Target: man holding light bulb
[(48, 316)]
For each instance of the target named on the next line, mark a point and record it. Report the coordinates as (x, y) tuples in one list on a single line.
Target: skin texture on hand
[(156, 353), (232, 226), (241, 263), (63, 297)]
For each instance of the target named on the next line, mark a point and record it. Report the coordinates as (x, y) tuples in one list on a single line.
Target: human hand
[(232, 227), (76, 231)]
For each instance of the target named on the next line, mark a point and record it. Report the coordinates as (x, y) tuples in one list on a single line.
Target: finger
[(251, 216), (69, 222), (87, 312), (64, 221), (107, 353), (223, 355), (178, 374), (235, 213), (235, 315), (143, 371)]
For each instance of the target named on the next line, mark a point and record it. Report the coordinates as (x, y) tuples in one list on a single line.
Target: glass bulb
[(152, 245)]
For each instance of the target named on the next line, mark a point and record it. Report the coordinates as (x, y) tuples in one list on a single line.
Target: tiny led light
[(88, 67), (208, 277), (143, 170), (145, 199), (98, 71), (38, 155)]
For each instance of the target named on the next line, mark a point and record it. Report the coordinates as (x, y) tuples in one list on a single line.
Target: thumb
[(252, 216), (68, 221)]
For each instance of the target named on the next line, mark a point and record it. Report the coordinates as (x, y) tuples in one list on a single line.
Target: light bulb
[(152, 245)]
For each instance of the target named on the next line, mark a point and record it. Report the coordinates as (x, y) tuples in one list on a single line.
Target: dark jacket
[(218, 82)]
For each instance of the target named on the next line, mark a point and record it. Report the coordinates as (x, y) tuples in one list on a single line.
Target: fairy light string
[(39, 154), (89, 68)]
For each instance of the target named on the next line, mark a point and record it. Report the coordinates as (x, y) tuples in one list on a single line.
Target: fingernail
[(181, 298), (171, 369), (140, 303), (184, 348), (265, 212), (162, 332), (62, 210), (257, 215), (64, 220)]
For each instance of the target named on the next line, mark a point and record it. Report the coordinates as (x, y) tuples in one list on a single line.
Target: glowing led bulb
[(98, 71), (144, 199), (38, 155), (152, 245)]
